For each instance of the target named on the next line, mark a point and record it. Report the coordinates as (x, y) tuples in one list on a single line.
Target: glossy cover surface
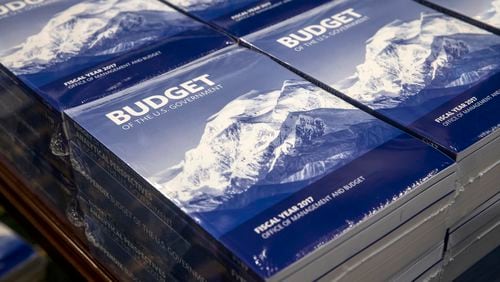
[(267, 163), (242, 17), (484, 11), (72, 51), (421, 69)]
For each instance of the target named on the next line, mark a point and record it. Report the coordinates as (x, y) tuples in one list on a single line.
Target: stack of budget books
[(338, 140), (427, 73), (62, 53), (423, 71), (237, 163), (472, 238), (475, 212)]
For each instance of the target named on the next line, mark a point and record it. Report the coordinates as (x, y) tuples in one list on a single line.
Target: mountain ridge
[(95, 28), (403, 58), (279, 137)]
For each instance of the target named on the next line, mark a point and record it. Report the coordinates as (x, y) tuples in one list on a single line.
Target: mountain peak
[(197, 5), (402, 58), (246, 142), (94, 28)]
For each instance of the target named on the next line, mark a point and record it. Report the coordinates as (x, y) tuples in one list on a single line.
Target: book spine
[(116, 258), (45, 121), (163, 250), (28, 129), (154, 213)]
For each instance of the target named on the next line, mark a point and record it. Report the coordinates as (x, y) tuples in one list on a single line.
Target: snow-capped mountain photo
[(266, 145), (433, 52), (492, 15), (196, 5), (201, 5), (94, 29)]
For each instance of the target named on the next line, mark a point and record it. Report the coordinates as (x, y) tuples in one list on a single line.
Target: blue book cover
[(72, 51), (61, 53), (408, 64), (243, 17), (31, 141), (262, 161), (14, 252), (483, 11)]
